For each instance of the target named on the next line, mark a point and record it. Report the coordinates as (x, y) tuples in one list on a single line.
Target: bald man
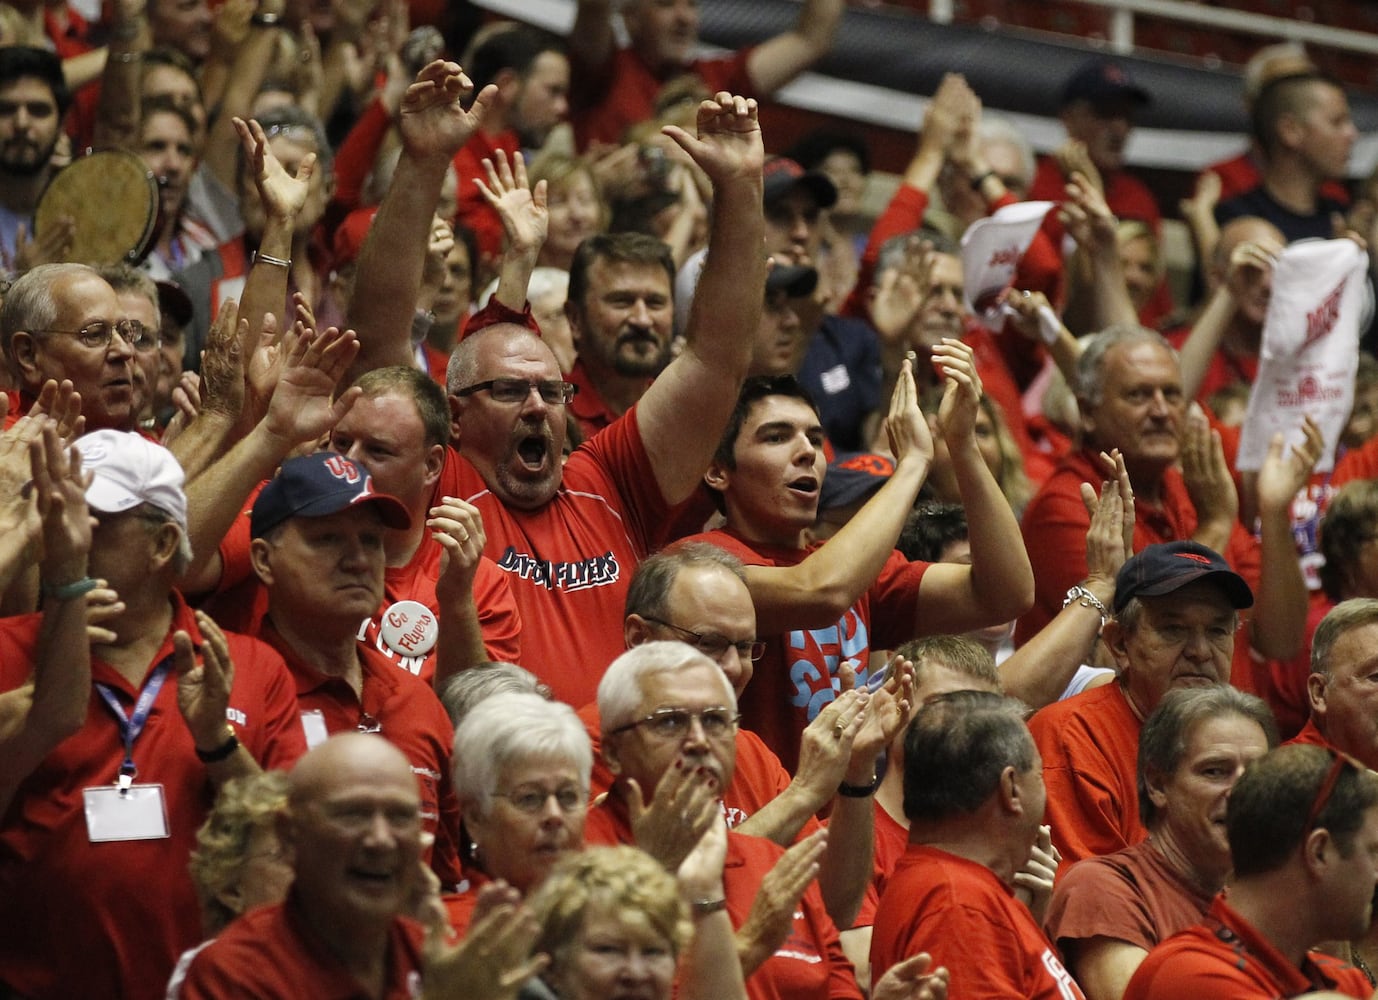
[(353, 829)]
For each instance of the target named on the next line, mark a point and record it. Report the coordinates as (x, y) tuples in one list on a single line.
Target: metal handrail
[(1122, 23)]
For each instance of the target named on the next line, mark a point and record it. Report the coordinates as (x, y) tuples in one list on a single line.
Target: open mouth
[(532, 451), (806, 486), (374, 880)]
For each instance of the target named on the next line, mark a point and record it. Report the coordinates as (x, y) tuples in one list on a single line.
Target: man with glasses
[(1343, 684), (568, 532), (668, 725), (94, 846), (697, 593), (1303, 830), (64, 321), (318, 548), (1175, 617)]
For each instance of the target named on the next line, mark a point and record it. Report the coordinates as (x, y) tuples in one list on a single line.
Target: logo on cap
[(1193, 557), (342, 468)]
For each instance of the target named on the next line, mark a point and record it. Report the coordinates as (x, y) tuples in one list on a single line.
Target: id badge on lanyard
[(125, 810)]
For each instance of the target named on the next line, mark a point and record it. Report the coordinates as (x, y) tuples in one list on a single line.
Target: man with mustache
[(33, 103), (621, 313)]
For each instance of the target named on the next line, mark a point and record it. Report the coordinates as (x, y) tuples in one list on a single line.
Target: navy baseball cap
[(853, 476), (316, 486), (1168, 566), (796, 280), (1104, 82), (781, 175)]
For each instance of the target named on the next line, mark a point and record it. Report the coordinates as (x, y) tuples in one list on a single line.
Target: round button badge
[(409, 628)]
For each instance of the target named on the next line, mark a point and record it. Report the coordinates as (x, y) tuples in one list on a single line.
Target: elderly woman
[(521, 772), (238, 862), (1108, 912), (613, 921)]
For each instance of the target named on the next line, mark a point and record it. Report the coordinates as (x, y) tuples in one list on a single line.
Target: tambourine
[(113, 199)]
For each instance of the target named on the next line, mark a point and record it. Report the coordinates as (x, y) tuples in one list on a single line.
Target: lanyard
[(132, 726)]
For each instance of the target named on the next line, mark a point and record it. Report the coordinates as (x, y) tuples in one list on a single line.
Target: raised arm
[(591, 43), (706, 378), (54, 509), (999, 583), (777, 61), (118, 108), (300, 412), (1250, 265), (1278, 622), (434, 125), (819, 590), (283, 197), (1039, 671), (1096, 288), (525, 220), (708, 968), (243, 80)]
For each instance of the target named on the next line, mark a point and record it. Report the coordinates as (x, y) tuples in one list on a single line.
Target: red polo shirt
[(83, 919)]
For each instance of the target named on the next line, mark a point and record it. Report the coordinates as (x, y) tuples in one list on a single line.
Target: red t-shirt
[(1055, 526), (1090, 746), (892, 840), (757, 777), (797, 676), (1226, 366), (969, 921), (810, 964), (403, 709), (588, 407), (474, 210), (110, 919), (1225, 956), (1133, 895), (241, 601), (1311, 736), (569, 563), (607, 100), (271, 953)]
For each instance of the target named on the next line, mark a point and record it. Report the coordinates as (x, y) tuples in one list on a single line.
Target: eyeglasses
[(98, 335), (1327, 789), (515, 390), (674, 723), (532, 799), (713, 645)]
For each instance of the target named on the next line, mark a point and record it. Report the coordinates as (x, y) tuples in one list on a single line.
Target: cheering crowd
[(490, 530)]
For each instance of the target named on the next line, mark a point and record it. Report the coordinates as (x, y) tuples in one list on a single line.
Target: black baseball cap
[(782, 175), (1168, 566), (1104, 82)]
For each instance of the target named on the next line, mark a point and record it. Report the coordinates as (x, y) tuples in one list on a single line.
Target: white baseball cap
[(128, 470)]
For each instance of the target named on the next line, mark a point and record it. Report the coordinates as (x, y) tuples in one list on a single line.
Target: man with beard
[(568, 532), (621, 310), (531, 73), (33, 103)]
